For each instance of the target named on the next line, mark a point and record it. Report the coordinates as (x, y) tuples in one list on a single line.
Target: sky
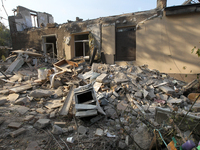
[(63, 10)]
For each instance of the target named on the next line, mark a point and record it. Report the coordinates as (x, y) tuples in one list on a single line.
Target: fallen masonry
[(71, 105)]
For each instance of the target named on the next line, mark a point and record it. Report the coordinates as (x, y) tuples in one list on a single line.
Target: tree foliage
[(196, 50), (5, 39)]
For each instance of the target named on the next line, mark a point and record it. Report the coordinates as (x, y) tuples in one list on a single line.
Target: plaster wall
[(165, 44), (42, 18), (108, 42), (24, 22)]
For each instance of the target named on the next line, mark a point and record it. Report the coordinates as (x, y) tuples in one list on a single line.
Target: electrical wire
[(4, 7)]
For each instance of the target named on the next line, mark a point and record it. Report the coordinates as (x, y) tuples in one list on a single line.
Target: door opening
[(49, 47)]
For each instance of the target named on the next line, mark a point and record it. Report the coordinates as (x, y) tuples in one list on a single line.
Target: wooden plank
[(65, 108), (28, 53), (20, 88)]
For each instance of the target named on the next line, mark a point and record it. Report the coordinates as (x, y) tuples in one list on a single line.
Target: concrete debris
[(57, 130), (3, 101), (82, 130), (129, 104), (15, 125), (40, 93), (17, 132), (42, 123)]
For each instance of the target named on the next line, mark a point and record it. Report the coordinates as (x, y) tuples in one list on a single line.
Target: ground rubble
[(71, 105)]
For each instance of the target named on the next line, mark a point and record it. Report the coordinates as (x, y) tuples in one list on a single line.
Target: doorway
[(49, 46)]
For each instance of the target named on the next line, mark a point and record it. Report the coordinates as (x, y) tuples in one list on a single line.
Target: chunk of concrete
[(40, 93), (33, 145), (22, 101), (138, 94), (86, 113), (21, 88), (97, 86), (57, 130), (53, 104), (174, 100), (15, 125), (13, 97), (167, 89), (122, 145), (29, 117), (40, 110), (82, 130), (17, 132), (110, 112), (3, 101), (52, 114), (85, 107), (101, 78), (41, 123), (143, 137), (99, 132), (21, 109), (16, 65)]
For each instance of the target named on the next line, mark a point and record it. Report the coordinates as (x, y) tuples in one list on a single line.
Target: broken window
[(82, 45), (125, 44), (34, 19)]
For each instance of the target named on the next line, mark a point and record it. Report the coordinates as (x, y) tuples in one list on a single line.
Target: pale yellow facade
[(165, 43)]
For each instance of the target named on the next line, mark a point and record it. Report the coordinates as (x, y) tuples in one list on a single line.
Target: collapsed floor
[(71, 105)]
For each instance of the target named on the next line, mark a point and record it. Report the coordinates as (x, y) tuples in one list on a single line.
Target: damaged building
[(162, 37)]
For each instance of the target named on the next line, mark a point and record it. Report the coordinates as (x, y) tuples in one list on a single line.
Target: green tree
[(5, 39)]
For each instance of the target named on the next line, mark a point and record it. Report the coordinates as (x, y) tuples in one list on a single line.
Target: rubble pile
[(71, 105)]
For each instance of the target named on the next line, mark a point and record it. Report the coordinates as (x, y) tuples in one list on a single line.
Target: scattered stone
[(57, 130), (38, 93), (29, 117), (40, 110), (3, 101), (41, 123), (21, 109), (65, 130), (21, 101), (15, 125), (122, 145), (17, 132), (13, 97), (53, 104), (110, 112), (174, 100), (143, 137), (82, 130), (138, 94), (115, 94), (70, 128), (167, 89), (57, 83), (59, 92), (1, 120), (33, 145), (101, 78), (52, 115), (99, 132)]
